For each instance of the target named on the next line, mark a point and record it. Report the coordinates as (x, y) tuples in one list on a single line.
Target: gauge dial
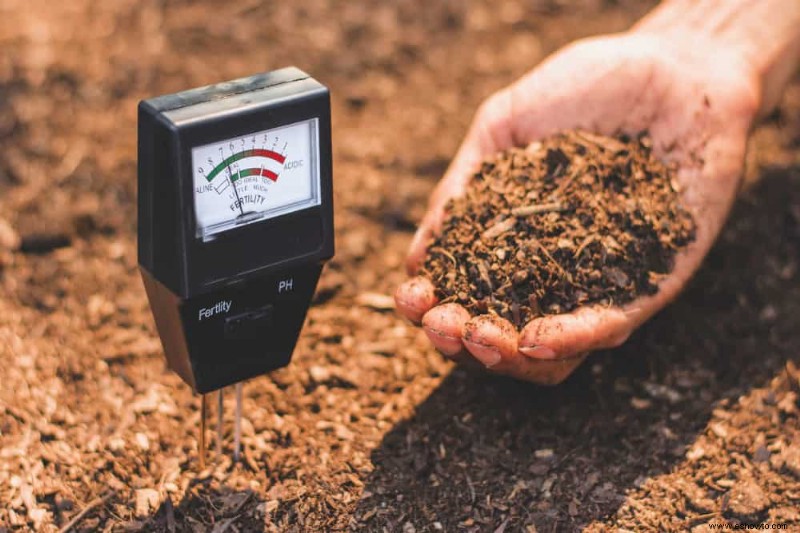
[(255, 177)]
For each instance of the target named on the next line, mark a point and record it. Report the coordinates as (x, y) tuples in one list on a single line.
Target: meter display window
[(255, 177)]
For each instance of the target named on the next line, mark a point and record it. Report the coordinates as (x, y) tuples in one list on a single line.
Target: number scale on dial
[(255, 177)]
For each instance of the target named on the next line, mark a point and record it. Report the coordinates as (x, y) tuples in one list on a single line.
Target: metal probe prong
[(237, 435), (202, 431), (220, 415)]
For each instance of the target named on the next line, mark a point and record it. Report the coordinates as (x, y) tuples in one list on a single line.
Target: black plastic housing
[(170, 126), (259, 278)]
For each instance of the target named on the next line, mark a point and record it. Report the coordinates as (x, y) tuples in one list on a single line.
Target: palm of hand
[(698, 112)]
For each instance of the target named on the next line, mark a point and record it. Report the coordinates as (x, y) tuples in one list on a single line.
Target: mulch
[(369, 429)]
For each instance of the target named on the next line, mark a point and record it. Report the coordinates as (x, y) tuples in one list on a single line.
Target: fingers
[(487, 340), (493, 341), (414, 298), (585, 330), (489, 133), (444, 326)]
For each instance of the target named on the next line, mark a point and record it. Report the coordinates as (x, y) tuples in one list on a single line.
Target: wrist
[(757, 39)]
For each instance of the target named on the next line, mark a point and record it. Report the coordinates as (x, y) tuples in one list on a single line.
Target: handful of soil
[(573, 220)]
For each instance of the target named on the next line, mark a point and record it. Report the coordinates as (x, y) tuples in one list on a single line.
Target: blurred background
[(369, 429)]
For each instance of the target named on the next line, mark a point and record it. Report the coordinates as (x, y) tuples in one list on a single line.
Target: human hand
[(698, 106)]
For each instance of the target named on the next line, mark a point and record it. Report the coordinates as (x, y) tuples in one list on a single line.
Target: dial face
[(255, 177)]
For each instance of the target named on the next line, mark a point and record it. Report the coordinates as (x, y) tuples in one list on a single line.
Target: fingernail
[(447, 345), (449, 353), (537, 352), (412, 304), (411, 312), (486, 355)]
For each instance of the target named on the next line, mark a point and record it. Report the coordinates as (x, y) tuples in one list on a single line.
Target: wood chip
[(375, 300)]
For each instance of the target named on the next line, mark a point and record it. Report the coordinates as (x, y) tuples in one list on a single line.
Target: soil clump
[(576, 219)]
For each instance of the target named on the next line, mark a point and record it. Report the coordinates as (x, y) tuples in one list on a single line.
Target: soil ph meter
[(235, 223)]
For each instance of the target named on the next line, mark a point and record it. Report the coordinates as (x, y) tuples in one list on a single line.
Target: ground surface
[(694, 420)]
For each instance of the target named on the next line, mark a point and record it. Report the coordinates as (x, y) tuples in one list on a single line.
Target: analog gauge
[(255, 177)]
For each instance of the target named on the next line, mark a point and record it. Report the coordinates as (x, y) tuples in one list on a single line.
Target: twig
[(170, 515), (445, 253), (223, 526), (692, 521), (535, 209), (564, 184), (793, 375), (484, 273), (582, 246), (540, 247), (498, 229), (471, 488), (86, 510), (605, 143)]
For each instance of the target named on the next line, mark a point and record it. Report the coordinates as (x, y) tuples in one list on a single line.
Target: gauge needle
[(235, 191)]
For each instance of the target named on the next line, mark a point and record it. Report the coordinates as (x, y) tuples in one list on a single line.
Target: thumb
[(490, 132)]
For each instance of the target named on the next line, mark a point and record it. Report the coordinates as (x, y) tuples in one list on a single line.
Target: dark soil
[(573, 220), (369, 428)]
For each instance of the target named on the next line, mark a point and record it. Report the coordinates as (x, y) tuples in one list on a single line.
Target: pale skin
[(696, 75)]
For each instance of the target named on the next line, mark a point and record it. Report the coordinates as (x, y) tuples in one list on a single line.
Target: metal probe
[(202, 431), (220, 416), (237, 436)]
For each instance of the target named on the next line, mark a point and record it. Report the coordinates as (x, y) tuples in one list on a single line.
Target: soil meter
[(235, 221)]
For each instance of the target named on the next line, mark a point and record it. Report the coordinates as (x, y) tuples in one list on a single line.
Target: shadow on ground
[(490, 454), (202, 509)]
